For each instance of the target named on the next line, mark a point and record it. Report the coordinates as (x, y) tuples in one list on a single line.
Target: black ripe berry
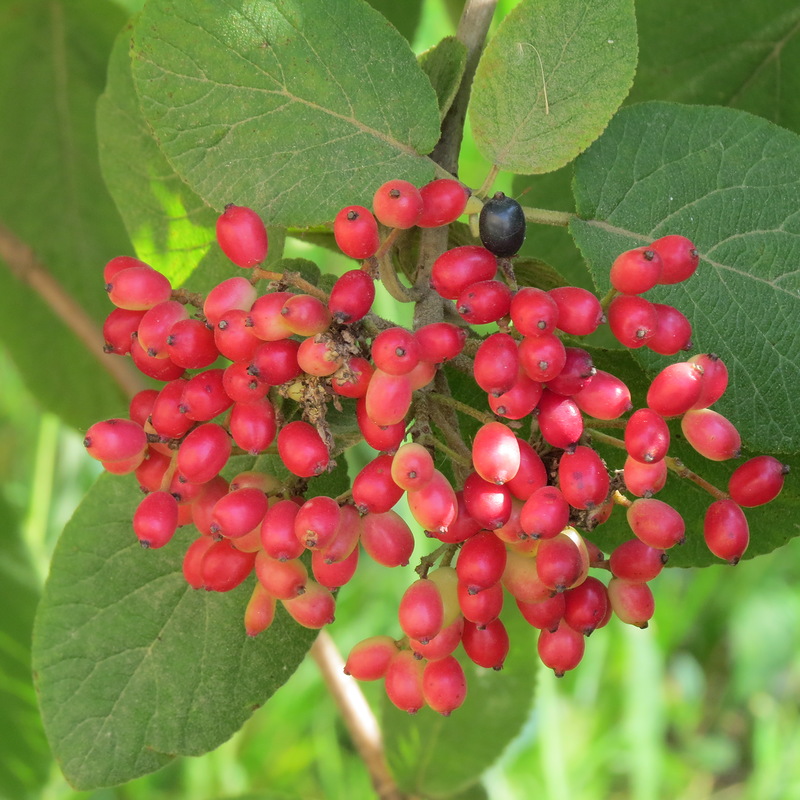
[(502, 225)]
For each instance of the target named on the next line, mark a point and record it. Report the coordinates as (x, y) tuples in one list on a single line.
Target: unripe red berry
[(356, 232), (242, 236), (397, 204)]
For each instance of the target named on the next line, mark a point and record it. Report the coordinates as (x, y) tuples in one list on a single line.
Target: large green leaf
[(550, 79), (26, 760), (133, 667), (51, 73), (171, 228), (771, 526), (751, 61), (293, 107), (731, 183), (421, 748)]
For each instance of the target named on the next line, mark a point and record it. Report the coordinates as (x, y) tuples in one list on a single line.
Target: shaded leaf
[(550, 79), (444, 65), (26, 758), (132, 666), (404, 16), (751, 62), (171, 228), (420, 748), (731, 183), (532, 272), (294, 113), (55, 200)]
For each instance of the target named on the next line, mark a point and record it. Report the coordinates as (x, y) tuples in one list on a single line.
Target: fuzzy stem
[(488, 181), (676, 465), (447, 400), (357, 715), (606, 301), (546, 216), (292, 279), (23, 264)]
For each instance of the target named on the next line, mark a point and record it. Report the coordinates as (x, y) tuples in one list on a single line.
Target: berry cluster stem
[(357, 715)]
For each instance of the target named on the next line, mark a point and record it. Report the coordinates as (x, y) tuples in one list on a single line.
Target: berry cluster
[(513, 518)]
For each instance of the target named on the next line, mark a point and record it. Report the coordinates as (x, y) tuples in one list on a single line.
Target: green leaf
[(771, 526), (444, 65), (751, 62), (132, 666), (533, 272), (171, 228), (550, 79), (55, 201), (420, 748), (731, 183), (26, 759), (284, 106), (404, 16)]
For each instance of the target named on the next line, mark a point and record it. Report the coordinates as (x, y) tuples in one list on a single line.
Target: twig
[(26, 267), (292, 279), (357, 715), (464, 408)]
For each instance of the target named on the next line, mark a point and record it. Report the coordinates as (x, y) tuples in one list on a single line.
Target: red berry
[(156, 519), (586, 606), (643, 479), (560, 420), (387, 538), (636, 271), (374, 488), (460, 267), (396, 351), (533, 311), (119, 328), (203, 453), (440, 341), (656, 523), (678, 256), (412, 466), (673, 331), (404, 682), (562, 649), (487, 503), (495, 453), (352, 296), (443, 202), (487, 647), (675, 389), (421, 610), (579, 311), (356, 232), (242, 236), (305, 315), (646, 436), (138, 288), (481, 562), (232, 293), (434, 506), (632, 602), (302, 450), (715, 378), (496, 364), (397, 204), (545, 513), (370, 658), (484, 302), (604, 396), (726, 531), (711, 434), (636, 561), (542, 357), (632, 319), (757, 481), (314, 608), (388, 398), (115, 440), (224, 567), (444, 685)]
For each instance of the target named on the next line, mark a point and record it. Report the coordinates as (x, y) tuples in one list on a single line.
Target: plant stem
[(488, 181), (605, 438), (447, 400), (292, 279), (606, 301), (26, 267), (545, 216), (357, 715), (472, 29), (677, 466)]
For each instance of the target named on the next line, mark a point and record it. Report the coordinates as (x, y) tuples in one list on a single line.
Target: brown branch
[(357, 715), (26, 267)]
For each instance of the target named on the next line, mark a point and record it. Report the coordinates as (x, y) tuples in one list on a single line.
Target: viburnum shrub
[(528, 452)]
